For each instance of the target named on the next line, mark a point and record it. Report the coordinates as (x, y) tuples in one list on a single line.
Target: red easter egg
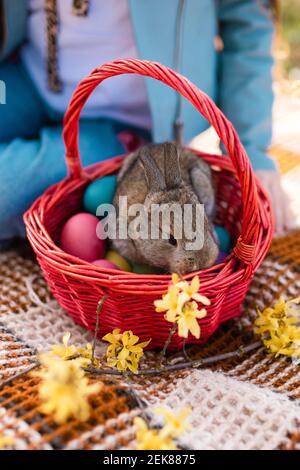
[(104, 263), (79, 237)]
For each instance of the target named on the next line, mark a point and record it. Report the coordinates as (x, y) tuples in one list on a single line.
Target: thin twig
[(183, 365), (185, 353), (168, 341), (168, 368), (98, 311), (133, 392), (19, 374)]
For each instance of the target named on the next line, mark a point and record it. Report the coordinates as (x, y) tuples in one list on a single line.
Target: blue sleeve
[(29, 167), (245, 74), (12, 25)]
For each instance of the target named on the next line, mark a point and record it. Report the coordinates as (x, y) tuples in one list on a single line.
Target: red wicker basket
[(243, 208)]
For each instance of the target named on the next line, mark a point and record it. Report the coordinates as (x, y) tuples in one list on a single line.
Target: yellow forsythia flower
[(124, 351), (150, 439), (86, 358), (162, 439), (187, 320), (174, 425), (65, 351), (278, 326), (191, 290), (180, 305), (6, 441), (172, 302), (114, 339), (64, 390), (286, 341)]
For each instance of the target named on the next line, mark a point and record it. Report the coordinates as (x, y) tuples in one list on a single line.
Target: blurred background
[(288, 46), (286, 136), (286, 114)]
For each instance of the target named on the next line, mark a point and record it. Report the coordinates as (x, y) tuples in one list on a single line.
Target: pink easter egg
[(79, 237), (104, 263)]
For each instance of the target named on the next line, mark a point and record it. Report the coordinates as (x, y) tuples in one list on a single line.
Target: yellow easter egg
[(118, 260)]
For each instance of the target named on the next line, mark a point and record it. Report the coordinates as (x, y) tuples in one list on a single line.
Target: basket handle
[(245, 249)]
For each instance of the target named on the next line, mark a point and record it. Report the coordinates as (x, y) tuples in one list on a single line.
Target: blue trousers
[(32, 149)]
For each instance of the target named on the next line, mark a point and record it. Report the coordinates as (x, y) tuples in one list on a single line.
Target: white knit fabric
[(41, 328), (227, 414)]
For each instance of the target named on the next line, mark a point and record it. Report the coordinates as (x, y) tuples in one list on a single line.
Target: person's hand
[(271, 181)]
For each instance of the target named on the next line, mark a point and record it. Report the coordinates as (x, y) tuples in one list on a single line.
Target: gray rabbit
[(167, 174)]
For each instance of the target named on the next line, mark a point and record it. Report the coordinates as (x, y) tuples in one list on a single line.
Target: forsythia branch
[(193, 364)]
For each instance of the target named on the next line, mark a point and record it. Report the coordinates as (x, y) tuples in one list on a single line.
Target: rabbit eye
[(172, 241)]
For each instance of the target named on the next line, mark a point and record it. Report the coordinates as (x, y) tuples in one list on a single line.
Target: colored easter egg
[(79, 237), (104, 263), (143, 269), (100, 191), (224, 238), (118, 260)]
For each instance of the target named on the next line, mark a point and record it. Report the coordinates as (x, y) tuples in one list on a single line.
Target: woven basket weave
[(243, 209)]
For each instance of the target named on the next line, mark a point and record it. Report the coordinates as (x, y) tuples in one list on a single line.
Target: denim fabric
[(12, 25), (24, 113)]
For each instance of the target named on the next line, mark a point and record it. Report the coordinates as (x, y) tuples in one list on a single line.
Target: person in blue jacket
[(59, 42)]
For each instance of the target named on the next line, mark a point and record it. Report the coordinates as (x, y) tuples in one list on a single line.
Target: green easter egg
[(100, 191), (143, 269), (224, 238)]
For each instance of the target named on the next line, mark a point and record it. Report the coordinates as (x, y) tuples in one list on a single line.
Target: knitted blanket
[(251, 402)]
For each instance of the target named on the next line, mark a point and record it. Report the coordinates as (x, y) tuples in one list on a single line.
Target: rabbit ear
[(204, 190), (172, 168), (154, 177)]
